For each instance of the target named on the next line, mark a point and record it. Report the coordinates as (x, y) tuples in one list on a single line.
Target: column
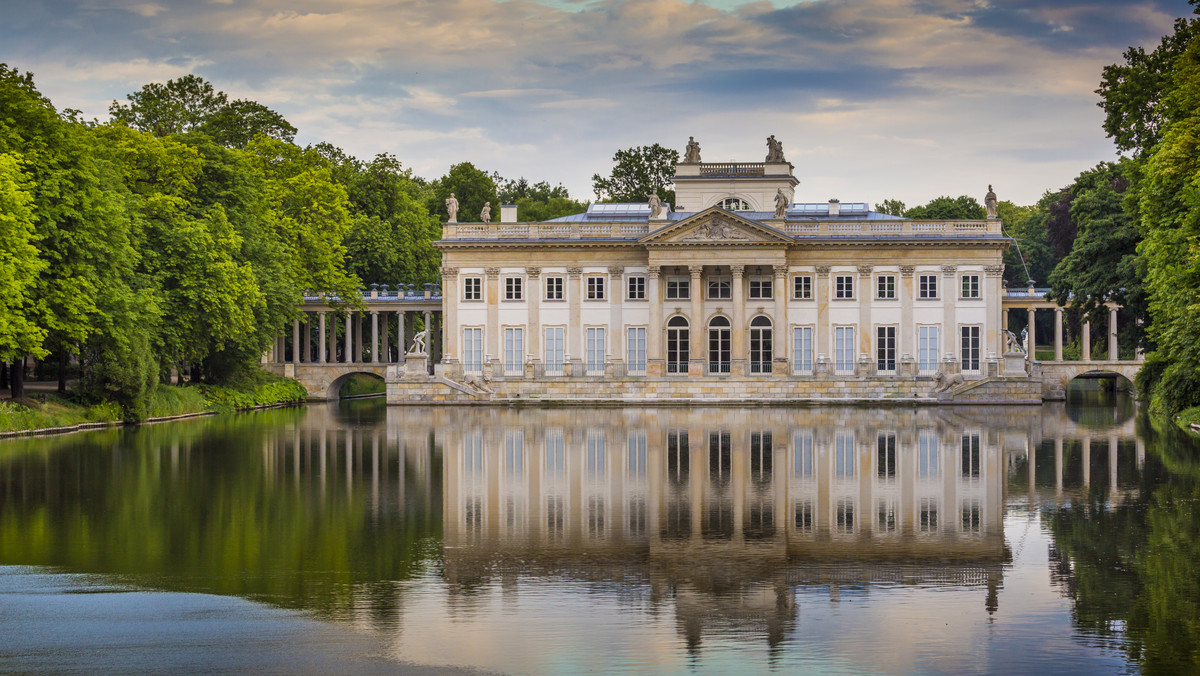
[(616, 302), (1113, 353), (450, 333), (374, 336), (1087, 461), (1112, 465), (492, 331), (333, 322), (740, 329), (865, 330), (358, 336), (321, 349), (574, 321), (699, 330), (907, 321), (306, 339), (823, 292), (296, 341), (1086, 341), (1058, 466), (533, 294), (428, 329), (781, 344), (1058, 319), (654, 332), (1032, 356), (1031, 456), (992, 330), (349, 337), (949, 316)]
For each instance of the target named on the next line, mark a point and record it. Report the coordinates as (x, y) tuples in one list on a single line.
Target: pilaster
[(823, 292), (908, 343), (533, 299), (575, 322), (654, 332), (698, 329), (780, 346), (492, 332), (740, 329), (949, 307), (866, 333), (450, 334)]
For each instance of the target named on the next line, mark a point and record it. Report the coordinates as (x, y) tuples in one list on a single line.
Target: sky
[(872, 99)]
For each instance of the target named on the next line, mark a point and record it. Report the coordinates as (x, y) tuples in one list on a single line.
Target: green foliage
[(636, 173), (471, 187), (392, 238), (169, 400), (1187, 418), (20, 265), (262, 389), (361, 383), (891, 207), (538, 201), (236, 124), (1030, 257), (963, 207)]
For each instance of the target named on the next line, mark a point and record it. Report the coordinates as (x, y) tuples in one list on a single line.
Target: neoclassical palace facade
[(738, 283)]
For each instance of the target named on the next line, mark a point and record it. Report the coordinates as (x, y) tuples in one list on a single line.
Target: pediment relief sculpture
[(715, 231)]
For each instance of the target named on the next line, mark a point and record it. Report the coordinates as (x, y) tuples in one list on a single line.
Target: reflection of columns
[(699, 333), (823, 292), (779, 290), (1031, 458), (654, 332), (1058, 465), (322, 352), (1113, 354), (1087, 342), (1087, 461), (740, 330), (1112, 465), (534, 298), (349, 337), (1140, 447), (1058, 319), (374, 336), (296, 341)]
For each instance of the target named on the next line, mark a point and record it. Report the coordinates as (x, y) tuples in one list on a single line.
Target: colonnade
[(384, 338), (1085, 337)]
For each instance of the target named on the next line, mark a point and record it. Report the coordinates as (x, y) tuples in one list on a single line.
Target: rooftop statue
[(781, 203), (692, 154), (452, 208), (774, 150), (655, 205), (486, 215), (989, 201)]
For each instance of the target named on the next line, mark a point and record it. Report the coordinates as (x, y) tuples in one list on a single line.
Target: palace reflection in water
[(722, 522)]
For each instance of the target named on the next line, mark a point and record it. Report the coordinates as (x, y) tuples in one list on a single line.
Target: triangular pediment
[(716, 226)]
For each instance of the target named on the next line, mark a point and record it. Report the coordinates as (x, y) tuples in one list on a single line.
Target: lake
[(357, 538)]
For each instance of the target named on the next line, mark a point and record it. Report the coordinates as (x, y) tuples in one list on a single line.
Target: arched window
[(677, 345), (719, 339), (734, 204), (761, 348)]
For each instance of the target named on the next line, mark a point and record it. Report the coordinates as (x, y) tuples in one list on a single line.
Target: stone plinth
[(416, 364), (1014, 363)]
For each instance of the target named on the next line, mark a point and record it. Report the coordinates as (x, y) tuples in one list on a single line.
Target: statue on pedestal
[(485, 216), (774, 150), (452, 208), (781, 203), (655, 205), (418, 344), (692, 154), (989, 201)]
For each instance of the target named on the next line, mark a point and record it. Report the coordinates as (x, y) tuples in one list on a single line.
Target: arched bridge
[(1057, 374)]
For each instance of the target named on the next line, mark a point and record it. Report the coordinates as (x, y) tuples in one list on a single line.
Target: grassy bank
[(1188, 417), (43, 411)]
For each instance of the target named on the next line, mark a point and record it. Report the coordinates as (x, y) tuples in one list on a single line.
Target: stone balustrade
[(627, 230)]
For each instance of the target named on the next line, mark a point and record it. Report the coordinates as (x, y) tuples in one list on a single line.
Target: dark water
[(358, 538)]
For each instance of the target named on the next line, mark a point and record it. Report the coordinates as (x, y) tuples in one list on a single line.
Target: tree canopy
[(636, 173)]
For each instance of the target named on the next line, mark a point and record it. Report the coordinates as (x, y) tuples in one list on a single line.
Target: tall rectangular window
[(802, 455), (885, 348), (635, 288), (514, 351), (679, 288), (554, 288), (514, 288), (970, 286), (927, 348), (719, 287), (554, 350), (970, 456), (802, 349), (843, 287), (597, 454), (927, 455), (762, 459), (635, 460), (761, 287), (555, 455), (843, 348), (635, 350), (802, 287), (970, 348), (885, 462), (595, 351), (927, 287), (595, 288), (472, 358), (885, 286), (472, 288)]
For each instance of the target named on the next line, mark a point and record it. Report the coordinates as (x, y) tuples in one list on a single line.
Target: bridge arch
[(1057, 376), (334, 391)]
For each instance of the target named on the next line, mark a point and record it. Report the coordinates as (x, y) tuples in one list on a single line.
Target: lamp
[(758, 269)]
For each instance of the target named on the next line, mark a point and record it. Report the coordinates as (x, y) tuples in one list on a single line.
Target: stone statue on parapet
[(418, 344), (452, 208), (655, 205), (781, 203), (990, 202), (692, 154), (485, 216), (1012, 343), (774, 150)]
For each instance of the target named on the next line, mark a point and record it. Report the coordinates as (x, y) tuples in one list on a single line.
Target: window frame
[(635, 346), (595, 288), (678, 284), (511, 283), (802, 360), (802, 290), (843, 287), (558, 283), (721, 283), (477, 283), (890, 281), (976, 286), (886, 348), (560, 342), (927, 286), (635, 287)]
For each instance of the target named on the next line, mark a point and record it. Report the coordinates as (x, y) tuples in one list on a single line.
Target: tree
[(636, 173), (891, 207), (471, 187), (538, 201), (20, 265), (962, 207), (236, 124), (392, 238)]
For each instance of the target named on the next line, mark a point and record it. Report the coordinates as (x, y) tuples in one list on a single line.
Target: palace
[(738, 290)]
